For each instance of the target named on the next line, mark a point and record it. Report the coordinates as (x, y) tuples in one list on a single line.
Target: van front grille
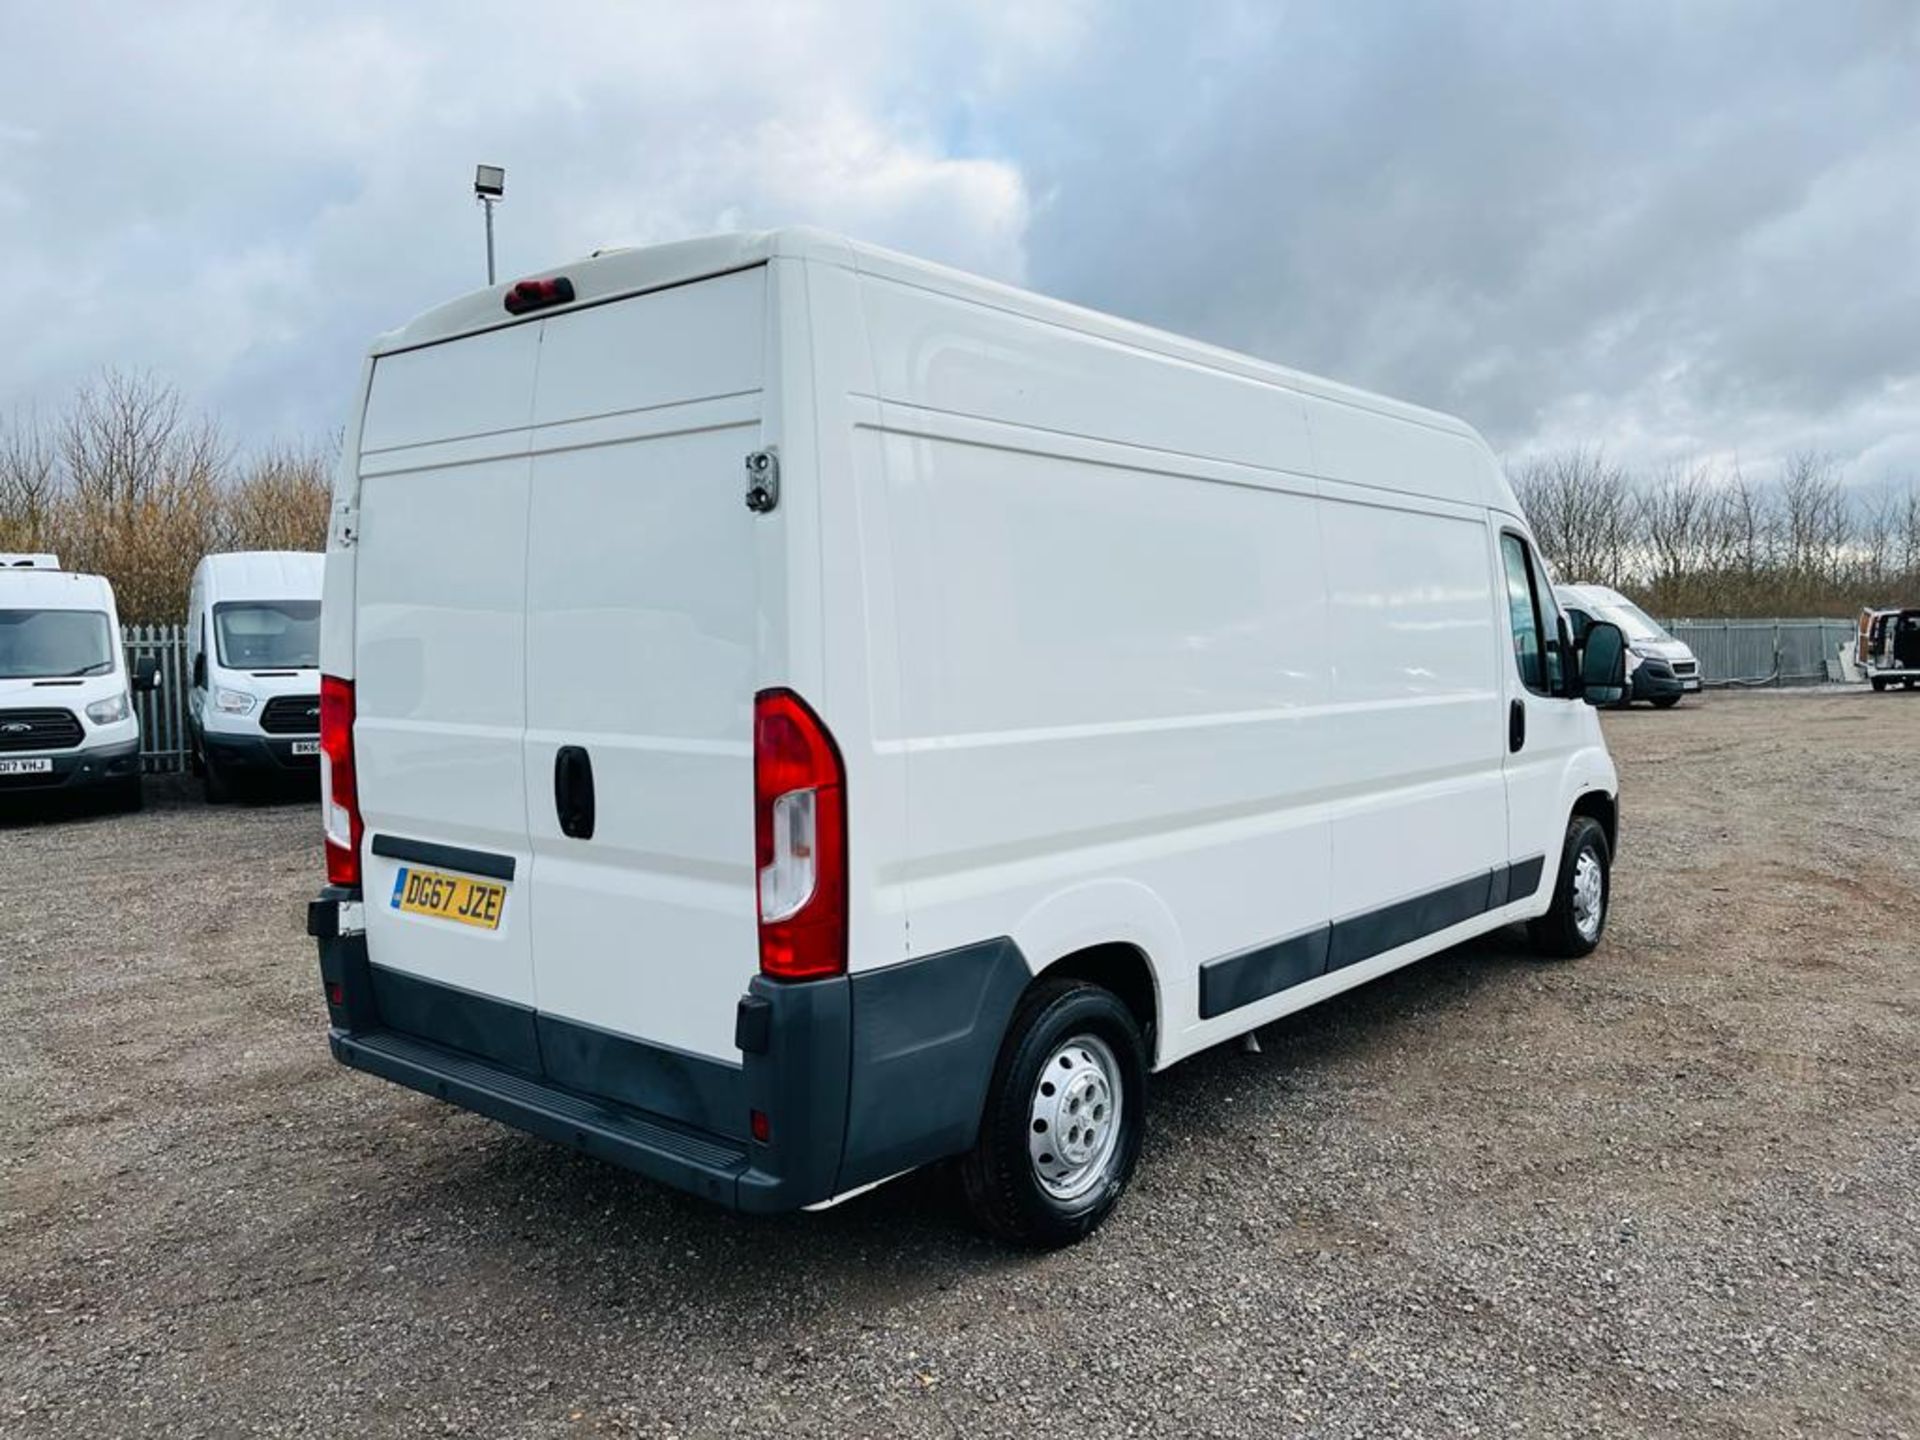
[(291, 715), (1685, 667), (39, 730)]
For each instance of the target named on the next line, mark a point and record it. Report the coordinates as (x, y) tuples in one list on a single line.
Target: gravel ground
[(1670, 1189)]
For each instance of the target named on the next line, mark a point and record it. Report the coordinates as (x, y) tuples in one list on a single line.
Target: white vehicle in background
[(67, 722), (253, 655), (1660, 668), (792, 713)]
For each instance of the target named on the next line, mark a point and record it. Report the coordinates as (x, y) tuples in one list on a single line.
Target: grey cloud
[(1673, 229)]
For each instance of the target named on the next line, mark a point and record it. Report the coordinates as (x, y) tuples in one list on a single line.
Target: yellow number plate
[(449, 897)]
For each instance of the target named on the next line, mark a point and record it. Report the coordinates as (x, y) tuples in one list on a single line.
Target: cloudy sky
[(1681, 230)]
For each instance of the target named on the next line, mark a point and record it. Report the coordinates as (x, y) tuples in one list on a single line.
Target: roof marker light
[(538, 294)]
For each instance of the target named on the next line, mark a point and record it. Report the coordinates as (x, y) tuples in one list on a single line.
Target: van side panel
[(1114, 658), (1416, 755)]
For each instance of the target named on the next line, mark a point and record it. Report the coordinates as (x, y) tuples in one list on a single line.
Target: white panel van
[(253, 658), (67, 721), (792, 714)]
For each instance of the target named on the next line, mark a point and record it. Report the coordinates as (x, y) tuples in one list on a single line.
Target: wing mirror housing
[(1603, 664), (144, 674)]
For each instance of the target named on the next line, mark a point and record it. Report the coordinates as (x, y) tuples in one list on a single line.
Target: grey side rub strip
[(1235, 980)]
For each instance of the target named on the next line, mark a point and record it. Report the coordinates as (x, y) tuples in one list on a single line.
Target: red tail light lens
[(339, 792), (799, 840)]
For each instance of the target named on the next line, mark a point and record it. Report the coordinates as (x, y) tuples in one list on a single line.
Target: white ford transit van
[(67, 722), (253, 652), (791, 714)]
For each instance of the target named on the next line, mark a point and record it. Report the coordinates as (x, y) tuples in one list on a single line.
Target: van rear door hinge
[(763, 480)]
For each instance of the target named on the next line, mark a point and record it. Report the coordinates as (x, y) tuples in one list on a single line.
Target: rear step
[(703, 1163)]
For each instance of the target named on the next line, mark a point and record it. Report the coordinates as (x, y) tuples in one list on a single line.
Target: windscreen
[(268, 634), (44, 644), (1635, 621)]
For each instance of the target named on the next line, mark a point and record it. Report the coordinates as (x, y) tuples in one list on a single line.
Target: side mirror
[(1603, 665), (144, 673), (200, 671)]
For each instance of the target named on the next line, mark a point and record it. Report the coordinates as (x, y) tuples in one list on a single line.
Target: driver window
[(1531, 650)]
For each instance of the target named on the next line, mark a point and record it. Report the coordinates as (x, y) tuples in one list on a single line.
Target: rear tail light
[(800, 839), (538, 294), (339, 793)]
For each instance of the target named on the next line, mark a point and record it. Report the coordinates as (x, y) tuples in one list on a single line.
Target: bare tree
[(280, 500), (143, 490), (30, 484), (1582, 510)]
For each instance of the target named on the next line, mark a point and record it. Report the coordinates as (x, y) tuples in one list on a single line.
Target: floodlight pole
[(486, 202), (489, 185)]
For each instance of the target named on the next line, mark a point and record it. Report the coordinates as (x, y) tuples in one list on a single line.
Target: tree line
[(1704, 540), (129, 483)]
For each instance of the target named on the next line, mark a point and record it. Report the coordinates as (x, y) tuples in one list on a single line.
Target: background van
[(253, 654), (67, 723), (791, 713), (1660, 668)]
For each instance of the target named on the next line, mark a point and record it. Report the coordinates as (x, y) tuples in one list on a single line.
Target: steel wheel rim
[(1073, 1123), (1589, 895)]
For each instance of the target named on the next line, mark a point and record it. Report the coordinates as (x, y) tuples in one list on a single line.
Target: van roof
[(41, 589), (264, 575), (610, 274)]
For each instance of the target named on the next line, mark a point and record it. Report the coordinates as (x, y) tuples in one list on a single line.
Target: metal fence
[(1765, 652), (163, 712)]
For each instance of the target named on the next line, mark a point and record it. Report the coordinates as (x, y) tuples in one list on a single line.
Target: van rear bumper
[(706, 1164), (856, 1077)]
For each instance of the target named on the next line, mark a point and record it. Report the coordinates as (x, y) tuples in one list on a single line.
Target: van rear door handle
[(1516, 724), (573, 791)]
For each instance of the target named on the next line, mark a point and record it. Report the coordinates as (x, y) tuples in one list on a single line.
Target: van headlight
[(107, 711), (233, 702)]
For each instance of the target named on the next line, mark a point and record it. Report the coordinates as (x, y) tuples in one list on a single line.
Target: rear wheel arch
[(1122, 968)]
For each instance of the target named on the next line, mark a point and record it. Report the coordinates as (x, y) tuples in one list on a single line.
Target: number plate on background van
[(306, 747), (449, 897)]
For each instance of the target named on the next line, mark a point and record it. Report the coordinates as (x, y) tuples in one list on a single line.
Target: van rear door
[(645, 622), (558, 608), (439, 671)]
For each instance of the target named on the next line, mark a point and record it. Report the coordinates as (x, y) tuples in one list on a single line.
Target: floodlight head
[(489, 182)]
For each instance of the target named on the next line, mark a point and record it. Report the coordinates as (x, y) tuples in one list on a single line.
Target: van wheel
[(1064, 1117), (127, 796), (1573, 926), (219, 789), (1666, 702), (1878, 685)]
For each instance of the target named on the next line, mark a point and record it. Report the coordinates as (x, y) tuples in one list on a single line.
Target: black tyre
[(1878, 684), (127, 796), (1666, 702), (1064, 1118), (219, 789), (1581, 894)]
